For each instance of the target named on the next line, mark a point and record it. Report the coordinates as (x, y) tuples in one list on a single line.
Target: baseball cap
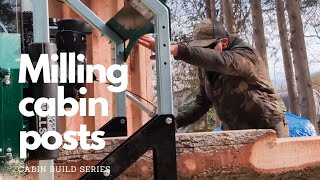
[(207, 32)]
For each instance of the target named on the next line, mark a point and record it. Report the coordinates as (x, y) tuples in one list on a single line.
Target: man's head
[(211, 35)]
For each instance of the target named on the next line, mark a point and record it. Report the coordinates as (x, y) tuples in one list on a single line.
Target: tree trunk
[(258, 29), (213, 9), (287, 61), (228, 16), (208, 8), (221, 19), (300, 59)]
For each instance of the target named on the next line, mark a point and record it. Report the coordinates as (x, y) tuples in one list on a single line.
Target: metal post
[(41, 34), (121, 96), (40, 21), (164, 78), (161, 165)]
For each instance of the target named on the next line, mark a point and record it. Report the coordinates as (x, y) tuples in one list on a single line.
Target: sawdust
[(12, 170)]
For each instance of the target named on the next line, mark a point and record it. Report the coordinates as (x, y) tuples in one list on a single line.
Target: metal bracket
[(157, 135), (117, 126)]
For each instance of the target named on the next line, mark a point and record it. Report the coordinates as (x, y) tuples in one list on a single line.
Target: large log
[(245, 154)]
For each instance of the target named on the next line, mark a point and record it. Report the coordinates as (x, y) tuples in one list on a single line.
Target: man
[(233, 79)]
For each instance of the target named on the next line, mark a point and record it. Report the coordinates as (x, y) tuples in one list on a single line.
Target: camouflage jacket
[(235, 82)]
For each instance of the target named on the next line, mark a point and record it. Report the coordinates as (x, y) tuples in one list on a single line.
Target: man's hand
[(149, 42)]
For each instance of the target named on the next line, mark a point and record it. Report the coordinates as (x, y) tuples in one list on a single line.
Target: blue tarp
[(298, 126)]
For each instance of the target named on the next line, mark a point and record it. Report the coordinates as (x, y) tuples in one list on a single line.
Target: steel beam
[(41, 34)]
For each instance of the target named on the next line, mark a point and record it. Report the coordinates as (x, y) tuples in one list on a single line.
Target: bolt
[(0, 150), (9, 150), (122, 121), (9, 156), (7, 82), (106, 173), (153, 21), (168, 120)]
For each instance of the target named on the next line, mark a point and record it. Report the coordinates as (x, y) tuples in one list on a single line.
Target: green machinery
[(11, 93)]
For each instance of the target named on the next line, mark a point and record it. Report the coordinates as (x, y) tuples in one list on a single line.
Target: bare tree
[(258, 29), (221, 18), (300, 59), (213, 9), (287, 61), (210, 6), (208, 9), (228, 16)]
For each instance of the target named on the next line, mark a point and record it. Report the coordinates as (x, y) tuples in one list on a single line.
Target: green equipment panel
[(11, 93)]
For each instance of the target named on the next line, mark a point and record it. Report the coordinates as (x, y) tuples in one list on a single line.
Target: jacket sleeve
[(236, 62), (199, 107)]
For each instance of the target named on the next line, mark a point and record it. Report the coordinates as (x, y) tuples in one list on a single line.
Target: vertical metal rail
[(40, 21), (121, 96), (41, 34), (165, 155), (163, 66)]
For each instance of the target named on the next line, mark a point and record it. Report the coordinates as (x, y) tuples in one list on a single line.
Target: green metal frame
[(138, 25)]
